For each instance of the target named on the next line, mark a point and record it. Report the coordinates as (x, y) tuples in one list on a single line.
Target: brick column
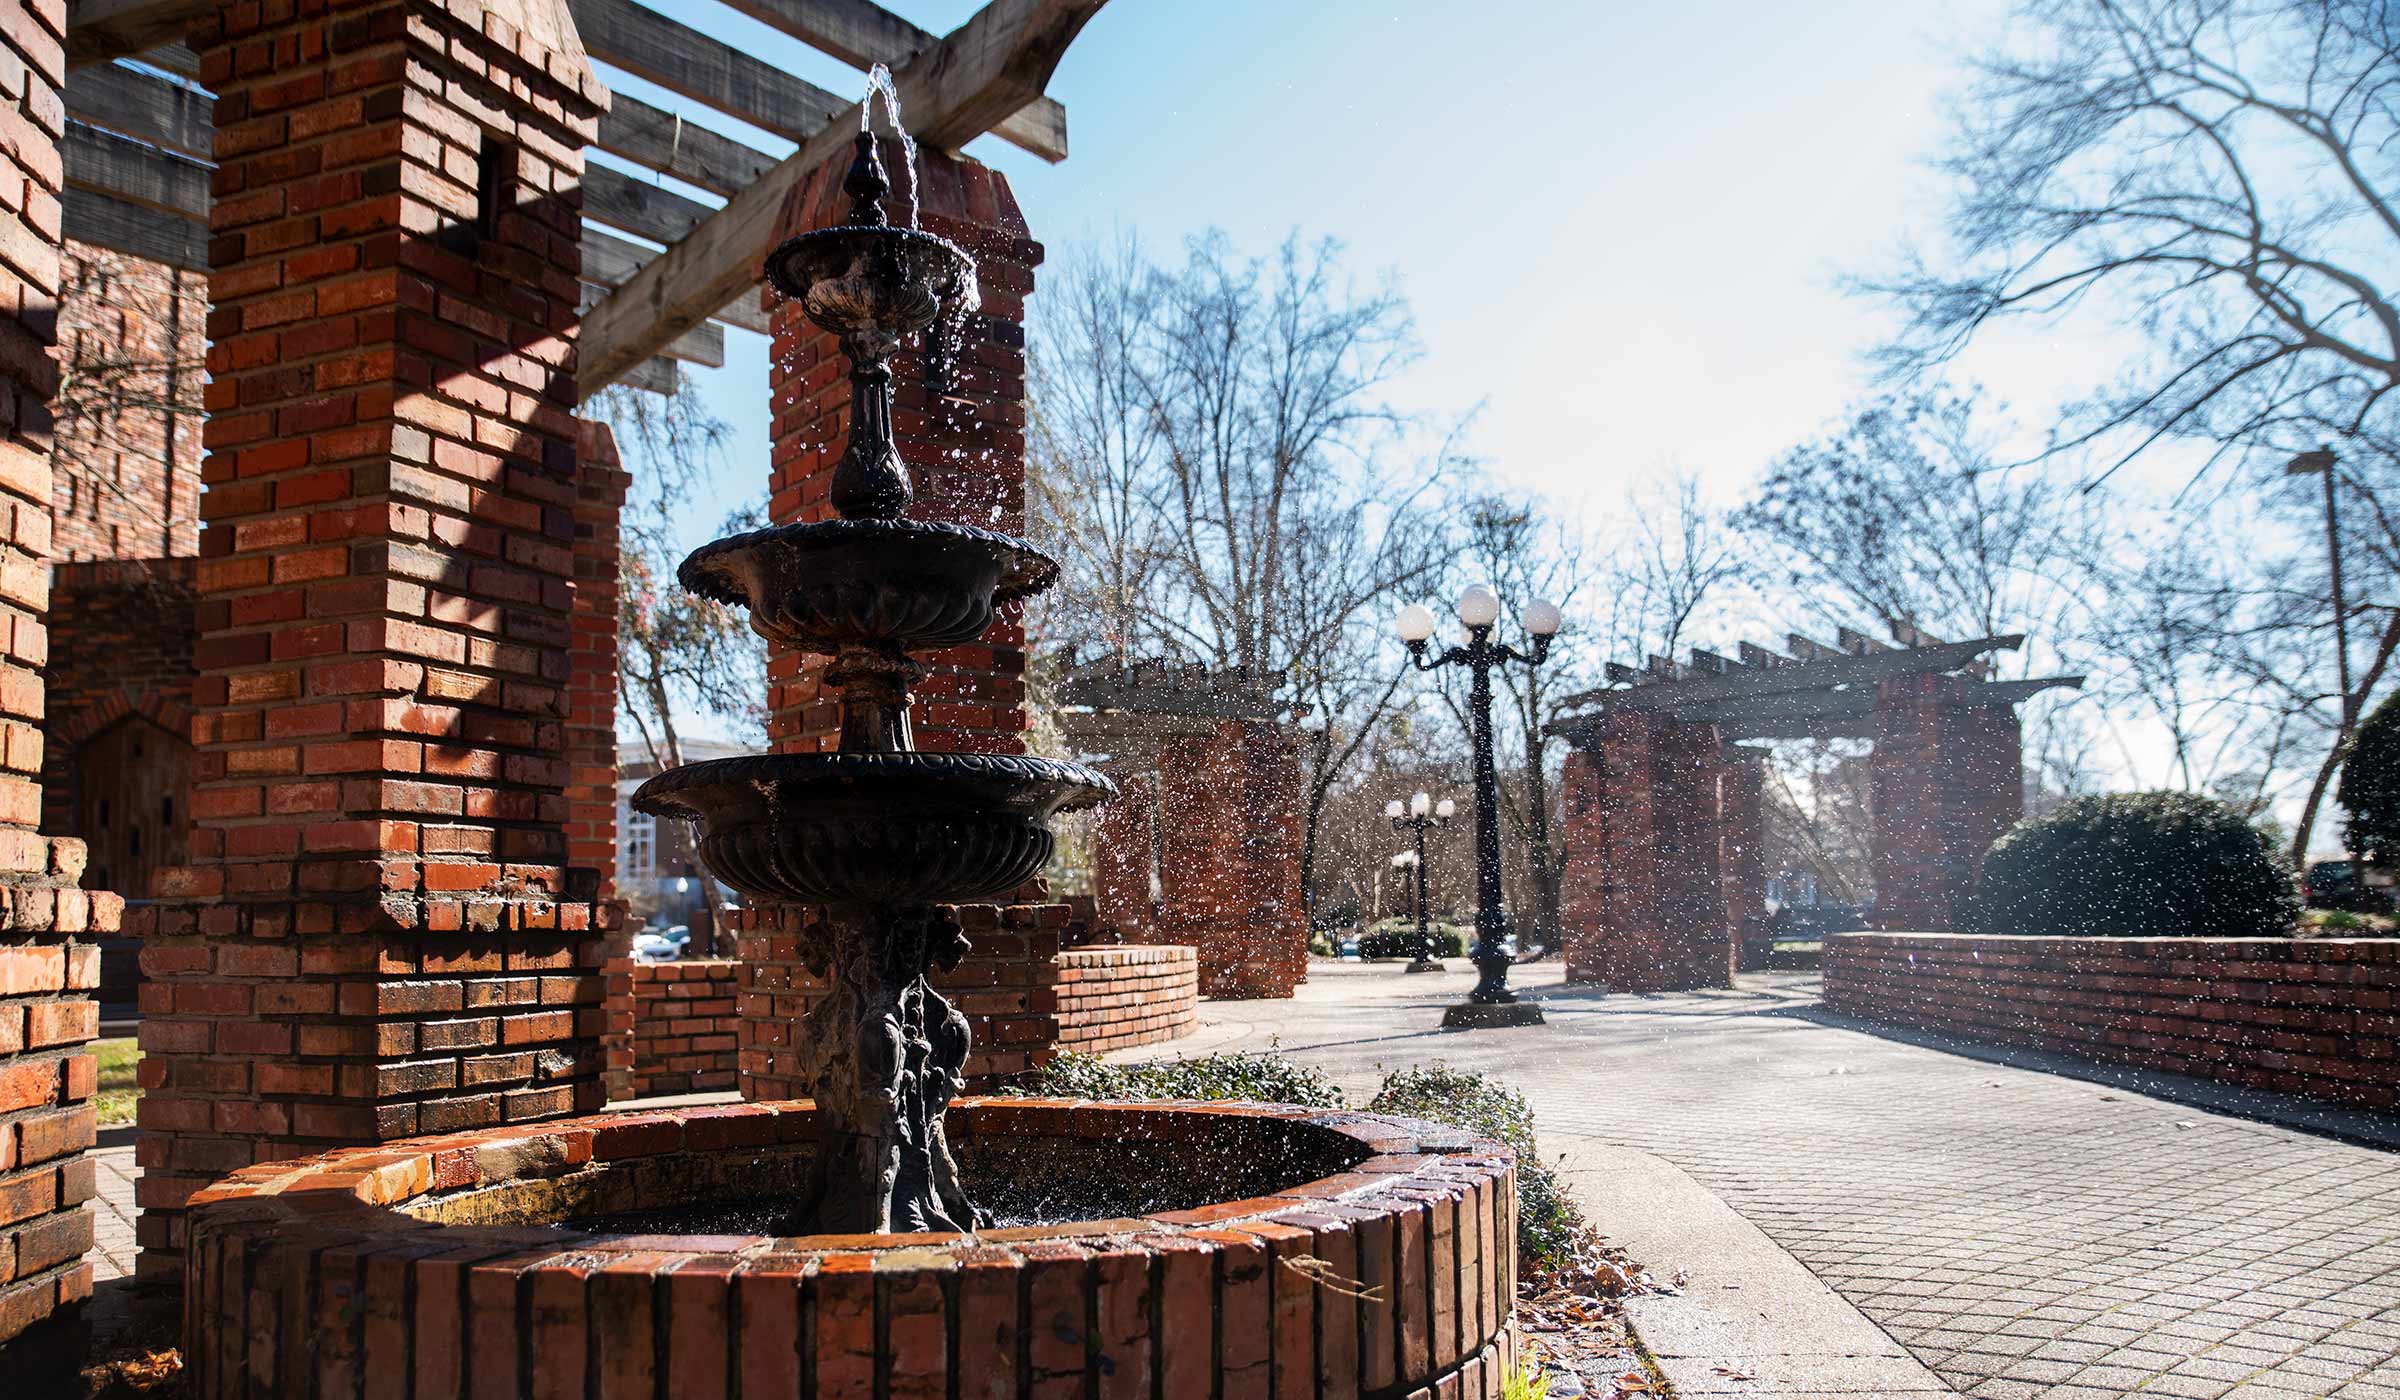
[(48, 965), (1230, 874), (600, 486), (1947, 779), (1742, 851), (377, 936), (1123, 834), (964, 442), (1644, 905)]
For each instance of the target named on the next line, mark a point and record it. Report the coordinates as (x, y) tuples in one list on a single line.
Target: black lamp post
[(1491, 1003), (1420, 814)]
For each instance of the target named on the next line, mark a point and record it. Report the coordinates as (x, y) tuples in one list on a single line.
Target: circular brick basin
[(1265, 1251)]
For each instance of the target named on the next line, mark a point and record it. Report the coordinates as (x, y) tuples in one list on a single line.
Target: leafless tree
[(1216, 453), (677, 653)]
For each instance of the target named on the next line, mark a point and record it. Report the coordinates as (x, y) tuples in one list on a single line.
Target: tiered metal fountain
[(878, 837)]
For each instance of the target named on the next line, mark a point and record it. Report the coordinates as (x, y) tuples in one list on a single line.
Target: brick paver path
[(2024, 1234)]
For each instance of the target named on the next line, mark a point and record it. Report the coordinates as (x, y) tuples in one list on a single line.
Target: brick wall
[(1007, 987), (1123, 837), (1642, 904), (1115, 998), (132, 338), (963, 441), (48, 964), (124, 631), (2318, 1017), (376, 936), (1742, 852), (683, 1040), (1230, 873)]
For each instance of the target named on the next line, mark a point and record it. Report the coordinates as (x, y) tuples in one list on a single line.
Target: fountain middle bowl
[(874, 828), (911, 583)]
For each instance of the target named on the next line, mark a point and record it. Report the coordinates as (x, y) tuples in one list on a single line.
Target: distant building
[(660, 876)]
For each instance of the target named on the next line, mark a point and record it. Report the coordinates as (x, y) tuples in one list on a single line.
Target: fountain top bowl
[(827, 584)]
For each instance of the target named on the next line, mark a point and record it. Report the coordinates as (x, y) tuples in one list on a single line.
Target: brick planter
[(1112, 998), (2318, 1017), (433, 1267), (683, 1025)]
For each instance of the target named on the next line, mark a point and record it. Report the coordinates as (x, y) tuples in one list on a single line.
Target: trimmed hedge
[(2370, 786), (2135, 865)]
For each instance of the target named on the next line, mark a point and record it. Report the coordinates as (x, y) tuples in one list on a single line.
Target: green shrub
[(2370, 787), (1549, 1226), (1261, 1078), (1389, 940), (2135, 865)]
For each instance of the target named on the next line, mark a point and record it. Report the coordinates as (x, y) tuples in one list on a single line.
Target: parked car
[(662, 944), (2336, 884)]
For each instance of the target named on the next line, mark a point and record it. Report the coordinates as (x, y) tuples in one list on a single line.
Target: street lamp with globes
[(1491, 1003), (1420, 814)]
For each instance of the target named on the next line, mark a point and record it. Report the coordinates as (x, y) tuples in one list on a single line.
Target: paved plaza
[(2022, 1233)]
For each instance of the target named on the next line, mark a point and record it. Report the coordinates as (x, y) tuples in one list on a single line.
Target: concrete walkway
[(2019, 1232)]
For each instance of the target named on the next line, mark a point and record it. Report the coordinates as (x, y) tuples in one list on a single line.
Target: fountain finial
[(867, 184)]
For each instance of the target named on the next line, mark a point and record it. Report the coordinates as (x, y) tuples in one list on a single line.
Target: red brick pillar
[(964, 443), (963, 440), (600, 486), (1122, 836), (1230, 874), (1742, 852), (1644, 904), (48, 964), (1948, 778), (377, 937)]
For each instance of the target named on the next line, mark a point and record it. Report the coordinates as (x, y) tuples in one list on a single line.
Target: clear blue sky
[(1619, 224)]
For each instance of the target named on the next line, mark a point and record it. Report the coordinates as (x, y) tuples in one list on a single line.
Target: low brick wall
[(1014, 989), (1112, 998), (683, 1025), (2317, 1017), (1372, 1257)]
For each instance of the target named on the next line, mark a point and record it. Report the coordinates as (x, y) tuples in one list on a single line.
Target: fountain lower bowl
[(894, 583), (1332, 1253), (874, 828)]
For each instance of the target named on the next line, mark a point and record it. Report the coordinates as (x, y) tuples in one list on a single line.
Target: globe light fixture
[(1478, 607), (1491, 1003), (1423, 816)]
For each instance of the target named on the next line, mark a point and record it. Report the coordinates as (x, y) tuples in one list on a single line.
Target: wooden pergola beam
[(610, 261), (144, 106), (863, 34), (987, 69), (662, 141), (100, 30)]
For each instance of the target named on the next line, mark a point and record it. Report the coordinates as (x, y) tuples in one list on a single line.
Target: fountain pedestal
[(878, 836)]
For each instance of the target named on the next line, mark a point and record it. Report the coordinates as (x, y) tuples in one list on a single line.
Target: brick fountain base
[(1260, 1251)]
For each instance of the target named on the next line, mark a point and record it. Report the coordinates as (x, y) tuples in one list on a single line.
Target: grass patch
[(118, 1092)]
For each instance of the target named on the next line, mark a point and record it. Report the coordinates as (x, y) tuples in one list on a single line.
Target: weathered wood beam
[(703, 344), (143, 106), (683, 60), (989, 67), (638, 207), (609, 261), (174, 239), (176, 58), (863, 34), (99, 30), (134, 173), (662, 141), (1760, 656)]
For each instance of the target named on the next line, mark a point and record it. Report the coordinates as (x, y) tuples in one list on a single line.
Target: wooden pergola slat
[(610, 261), (863, 34), (662, 141), (148, 108), (979, 75), (99, 30), (134, 173), (88, 216), (620, 201), (682, 60)]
